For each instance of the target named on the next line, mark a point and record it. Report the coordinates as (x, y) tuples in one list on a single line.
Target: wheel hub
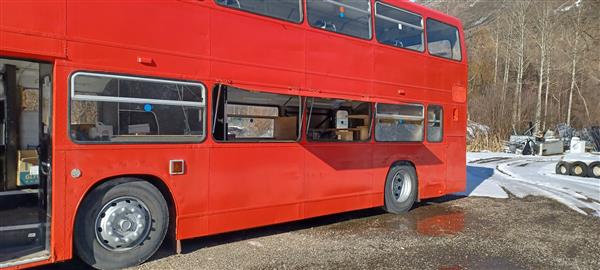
[(122, 223), (401, 186), (596, 170)]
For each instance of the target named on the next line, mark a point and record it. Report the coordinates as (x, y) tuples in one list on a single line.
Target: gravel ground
[(448, 233)]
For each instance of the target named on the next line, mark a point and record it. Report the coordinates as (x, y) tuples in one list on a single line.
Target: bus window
[(338, 120), (434, 123), (122, 109), (242, 115), (289, 10), (399, 123), (352, 18), (443, 40), (397, 27)]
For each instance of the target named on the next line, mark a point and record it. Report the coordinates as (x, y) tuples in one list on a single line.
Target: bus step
[(21, 235)]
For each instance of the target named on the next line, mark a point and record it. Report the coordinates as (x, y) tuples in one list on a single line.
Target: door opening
[(25, 99)]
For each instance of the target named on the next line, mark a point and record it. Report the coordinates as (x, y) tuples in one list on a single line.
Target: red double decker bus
[(126, 123)]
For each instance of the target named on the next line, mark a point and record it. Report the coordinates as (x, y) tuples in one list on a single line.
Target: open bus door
[(25, 113)]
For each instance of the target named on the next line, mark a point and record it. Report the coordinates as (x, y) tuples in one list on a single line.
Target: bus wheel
[(594, 169), (120, 224), (578, 168), (400, 189)]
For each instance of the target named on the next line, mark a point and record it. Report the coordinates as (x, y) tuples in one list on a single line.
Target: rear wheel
[(120, 224), (563, 167), (594, 169), (400, 188), (578, 168)]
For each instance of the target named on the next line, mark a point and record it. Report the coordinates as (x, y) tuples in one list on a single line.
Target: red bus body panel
[(232, 186)]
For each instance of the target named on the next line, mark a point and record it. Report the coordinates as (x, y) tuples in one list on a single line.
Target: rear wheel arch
[(157, 182)]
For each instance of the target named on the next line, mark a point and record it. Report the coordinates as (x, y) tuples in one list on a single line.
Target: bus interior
[(25, 98)]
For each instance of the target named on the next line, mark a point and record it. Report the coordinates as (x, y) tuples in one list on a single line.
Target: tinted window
[(443, 40), (289, 10), (351, 17), (128, 109), (434, 123), (338, 120), (397, 27), (399, 123)]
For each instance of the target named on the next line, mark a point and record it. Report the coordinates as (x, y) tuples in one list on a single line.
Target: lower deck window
[(338, 120), (399, 123), (112, 108), (434, 123), (242, 115)]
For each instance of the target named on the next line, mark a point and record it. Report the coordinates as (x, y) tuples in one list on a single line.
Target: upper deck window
[(124, 109), (351, 17), (397, 27), (289, 10), (443, 40)]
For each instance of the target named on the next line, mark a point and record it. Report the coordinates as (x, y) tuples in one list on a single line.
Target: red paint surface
[(235, 186)]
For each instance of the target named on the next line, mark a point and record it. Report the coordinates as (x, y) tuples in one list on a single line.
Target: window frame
[(407, 104), (334, 2), (459, 39), (146, 139), (370, 118), (214, 117), (301, 11), (429, 106), (422, 28)]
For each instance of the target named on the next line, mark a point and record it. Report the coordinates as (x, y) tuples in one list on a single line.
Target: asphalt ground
[(447, 233)]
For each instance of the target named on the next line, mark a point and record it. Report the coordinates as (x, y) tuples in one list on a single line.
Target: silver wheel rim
[(596, 170), (401, 186), (122, 224)]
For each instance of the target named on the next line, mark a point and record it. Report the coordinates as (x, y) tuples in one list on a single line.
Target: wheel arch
[(152, 179)]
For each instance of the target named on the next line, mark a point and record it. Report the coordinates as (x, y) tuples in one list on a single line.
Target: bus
[(125, 123)]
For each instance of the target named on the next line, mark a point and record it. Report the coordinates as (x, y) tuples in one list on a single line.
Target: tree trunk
[(547, 91), (574, 67), (516, 119)]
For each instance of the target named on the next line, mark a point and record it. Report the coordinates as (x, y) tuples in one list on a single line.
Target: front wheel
[(120, 224), (400, 189)]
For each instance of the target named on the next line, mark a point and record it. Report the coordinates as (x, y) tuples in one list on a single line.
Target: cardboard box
[(285, 128), (345, 135), (28, 168)]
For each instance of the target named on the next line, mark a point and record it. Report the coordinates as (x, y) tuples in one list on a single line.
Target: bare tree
[(521, 13), (542, 26), (574, 62)]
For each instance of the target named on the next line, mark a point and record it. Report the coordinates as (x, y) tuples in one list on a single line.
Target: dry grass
[(492, 143)]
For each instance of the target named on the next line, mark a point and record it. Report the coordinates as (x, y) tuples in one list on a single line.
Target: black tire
[(149, 199), (578, 168), (594, 169), (400, 200), (563, 168)]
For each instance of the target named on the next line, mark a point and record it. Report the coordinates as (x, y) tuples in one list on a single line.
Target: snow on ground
[(495, 174)]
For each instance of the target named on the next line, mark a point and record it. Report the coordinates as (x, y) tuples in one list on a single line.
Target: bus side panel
[(254, 184), (272, 57), (338, 64), (165, 26), (338, 177), (457, 165), (33, 29)]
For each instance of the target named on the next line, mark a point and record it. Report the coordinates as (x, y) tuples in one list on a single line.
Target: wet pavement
[(447, 233)]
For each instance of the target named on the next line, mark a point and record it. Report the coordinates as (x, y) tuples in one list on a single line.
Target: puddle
[(435, 220)]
